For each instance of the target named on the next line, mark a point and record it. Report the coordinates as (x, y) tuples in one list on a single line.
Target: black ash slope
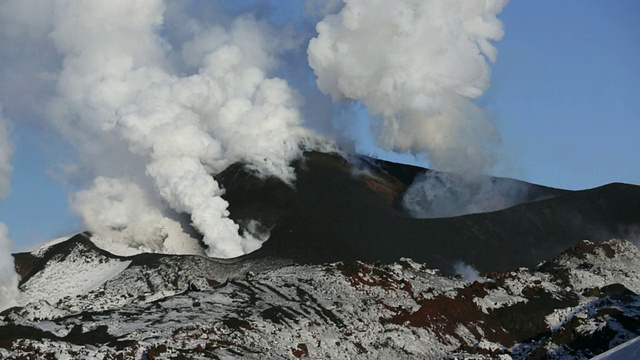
[(337, 211)]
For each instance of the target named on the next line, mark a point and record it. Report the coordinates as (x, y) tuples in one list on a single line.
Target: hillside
[(348, 272)]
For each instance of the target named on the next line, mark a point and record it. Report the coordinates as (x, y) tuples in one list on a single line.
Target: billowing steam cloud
[(417, 65), (127, 222), (9, 292), (467, 271), (183, 127), (441, 194), (8, 277), (153, 119), (156, 98)]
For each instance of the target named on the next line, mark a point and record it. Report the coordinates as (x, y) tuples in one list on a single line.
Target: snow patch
[(628, 350), (76, 274), (39, 252)]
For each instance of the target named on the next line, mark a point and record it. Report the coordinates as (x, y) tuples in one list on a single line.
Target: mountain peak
[(352, 209), (347, 271)]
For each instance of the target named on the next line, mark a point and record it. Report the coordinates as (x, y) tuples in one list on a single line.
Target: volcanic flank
[(196, 132), (338, 211), (346, 264), (81, 302)]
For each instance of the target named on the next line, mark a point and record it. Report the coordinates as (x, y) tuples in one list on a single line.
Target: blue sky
[(565, 91), (564, 94)]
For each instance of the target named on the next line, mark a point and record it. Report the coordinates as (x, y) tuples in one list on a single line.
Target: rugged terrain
[(86, 303), (341, 209), (347, 273)]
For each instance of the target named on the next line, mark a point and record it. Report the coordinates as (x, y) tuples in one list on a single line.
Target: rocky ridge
[(348, 272), (150, 306)]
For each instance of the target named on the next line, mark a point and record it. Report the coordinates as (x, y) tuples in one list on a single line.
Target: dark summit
[(351, 210), (347, 273)]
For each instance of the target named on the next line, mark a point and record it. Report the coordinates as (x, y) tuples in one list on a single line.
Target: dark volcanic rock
[(336, 211), (362, 296), (348, 309)]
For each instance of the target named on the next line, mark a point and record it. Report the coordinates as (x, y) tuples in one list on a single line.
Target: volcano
[(348, 272), (342, 208)]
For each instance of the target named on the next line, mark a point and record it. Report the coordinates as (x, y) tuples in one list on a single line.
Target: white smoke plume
[(121, 213), (153, 120), (9, 293), (8, 278), (417, 66), (467, 271), (187, 127), (156, 96), (441, 194)]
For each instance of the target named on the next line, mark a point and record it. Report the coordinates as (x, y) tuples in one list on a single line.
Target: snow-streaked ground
[(74, 275), (627, 351), (203, 308)]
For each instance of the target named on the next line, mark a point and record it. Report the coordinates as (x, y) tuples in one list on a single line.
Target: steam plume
[(153, 109), (440, 194), (186, 127), (122, 214), (418, 66), (467, 271), (8, 277), (152, 120), (9, 292), (6, 150)]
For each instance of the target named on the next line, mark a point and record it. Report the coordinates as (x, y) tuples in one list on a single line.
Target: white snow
[(623, 268), (39, 252), (77, 274), (496, 299), (627, 351), (334, 315)]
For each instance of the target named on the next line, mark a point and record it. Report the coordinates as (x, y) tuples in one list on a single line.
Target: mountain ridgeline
[(349, 272), (341, 209)]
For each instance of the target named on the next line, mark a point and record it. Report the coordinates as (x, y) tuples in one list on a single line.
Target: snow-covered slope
[(84, 271), (626, 351), (82, 302)]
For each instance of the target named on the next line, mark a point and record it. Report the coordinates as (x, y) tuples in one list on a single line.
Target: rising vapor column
[(417, 66), (168, 117), (9, 279)]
